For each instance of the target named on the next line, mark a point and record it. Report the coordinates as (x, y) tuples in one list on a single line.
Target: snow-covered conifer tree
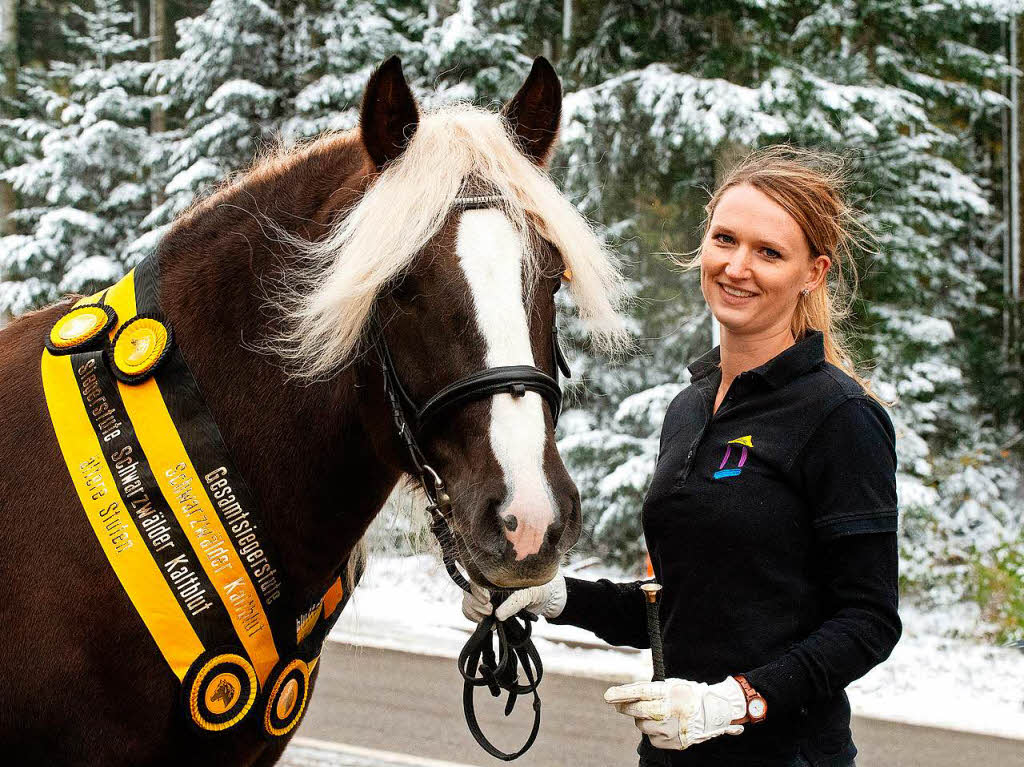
[(333, 46), (82, 179), (228, 89)]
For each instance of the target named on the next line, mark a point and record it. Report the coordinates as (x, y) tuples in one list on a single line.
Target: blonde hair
[(328, 301), (810, 185)]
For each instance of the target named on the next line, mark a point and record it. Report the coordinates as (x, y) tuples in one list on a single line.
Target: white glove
[(678, 713), (476, 603), (547, 600)]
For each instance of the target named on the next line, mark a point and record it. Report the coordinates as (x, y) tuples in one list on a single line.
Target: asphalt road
[(412, 704)]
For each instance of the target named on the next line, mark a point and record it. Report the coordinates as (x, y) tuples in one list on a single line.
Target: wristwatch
[(757, 708)]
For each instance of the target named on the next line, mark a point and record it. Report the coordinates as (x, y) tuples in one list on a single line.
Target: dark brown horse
[(270, 286)]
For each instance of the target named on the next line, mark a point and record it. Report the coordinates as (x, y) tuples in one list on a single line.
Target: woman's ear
[(389, 116), (818, 273), (534, 113)]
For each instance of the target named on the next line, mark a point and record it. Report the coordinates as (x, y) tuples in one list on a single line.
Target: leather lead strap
[(515, 648)]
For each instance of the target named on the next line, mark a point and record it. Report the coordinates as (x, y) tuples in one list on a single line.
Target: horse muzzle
[(511, 545)]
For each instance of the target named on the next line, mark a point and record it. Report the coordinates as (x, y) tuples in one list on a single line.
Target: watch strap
[(752, 696)]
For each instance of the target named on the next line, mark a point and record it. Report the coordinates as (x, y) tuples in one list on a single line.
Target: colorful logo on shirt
[(744, 443)]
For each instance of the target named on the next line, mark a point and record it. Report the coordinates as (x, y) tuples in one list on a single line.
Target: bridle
[(411, 421)]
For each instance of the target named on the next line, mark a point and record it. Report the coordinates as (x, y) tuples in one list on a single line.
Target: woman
[(771, 516)]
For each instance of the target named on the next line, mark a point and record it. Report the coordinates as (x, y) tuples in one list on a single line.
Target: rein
[(479, 664), (515, 648)]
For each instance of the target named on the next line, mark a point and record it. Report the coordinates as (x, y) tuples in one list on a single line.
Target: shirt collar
[(799, 358)]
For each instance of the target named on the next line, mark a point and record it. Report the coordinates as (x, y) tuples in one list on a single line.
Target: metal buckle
[(440, 501)]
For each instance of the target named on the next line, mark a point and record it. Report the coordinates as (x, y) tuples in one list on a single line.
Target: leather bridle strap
[(400, 403), (515, 647), (510, 379)]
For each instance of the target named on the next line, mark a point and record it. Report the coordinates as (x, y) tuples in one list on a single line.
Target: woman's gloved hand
[(678, 713), (547, 600)]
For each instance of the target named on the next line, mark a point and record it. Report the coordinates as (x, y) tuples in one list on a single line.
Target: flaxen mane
[(328, 300)]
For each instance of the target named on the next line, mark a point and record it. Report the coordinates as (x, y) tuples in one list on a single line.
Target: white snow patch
[(94, 269), (145, 244), (240, 95), (200, 172)]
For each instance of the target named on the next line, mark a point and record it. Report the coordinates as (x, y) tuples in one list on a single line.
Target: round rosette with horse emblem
[(84, 327), (288, 691), (219, 689), (139, 347)]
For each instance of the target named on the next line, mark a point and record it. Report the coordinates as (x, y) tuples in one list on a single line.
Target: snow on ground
[(410, 604)]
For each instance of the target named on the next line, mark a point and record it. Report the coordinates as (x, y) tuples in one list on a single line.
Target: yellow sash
[(187, 554)]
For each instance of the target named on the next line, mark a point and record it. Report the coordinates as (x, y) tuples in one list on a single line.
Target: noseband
[(411, 421), (509, 379)]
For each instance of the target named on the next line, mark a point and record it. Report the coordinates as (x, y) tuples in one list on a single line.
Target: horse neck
[(315, 456)]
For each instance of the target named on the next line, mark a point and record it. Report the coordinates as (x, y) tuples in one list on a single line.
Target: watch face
[(756, 708)]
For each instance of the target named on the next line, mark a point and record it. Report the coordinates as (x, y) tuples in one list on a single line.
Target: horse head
[(454, 254), (480, 295)]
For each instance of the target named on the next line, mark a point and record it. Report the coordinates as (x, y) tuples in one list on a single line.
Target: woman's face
[(755, 249)]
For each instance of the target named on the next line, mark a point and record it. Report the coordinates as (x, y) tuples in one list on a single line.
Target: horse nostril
[(564, 533), (494, 526)]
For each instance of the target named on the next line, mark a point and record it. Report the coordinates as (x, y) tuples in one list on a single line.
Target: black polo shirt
[(771, 525)]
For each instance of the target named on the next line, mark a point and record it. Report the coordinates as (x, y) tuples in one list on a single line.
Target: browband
[(479, 202)]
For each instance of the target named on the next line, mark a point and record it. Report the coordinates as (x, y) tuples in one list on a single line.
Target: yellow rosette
[(139, 347), (287, 698), (82, 328), (220, 690)]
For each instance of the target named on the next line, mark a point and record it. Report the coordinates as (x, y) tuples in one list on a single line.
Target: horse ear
[(533, 114), (389, 116)]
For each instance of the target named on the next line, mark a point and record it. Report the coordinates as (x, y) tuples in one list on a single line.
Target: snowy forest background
[(115, 114)]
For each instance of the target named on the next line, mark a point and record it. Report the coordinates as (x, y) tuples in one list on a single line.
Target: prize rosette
[(219, 690), (288, 691), (84, 327), (139, 347)]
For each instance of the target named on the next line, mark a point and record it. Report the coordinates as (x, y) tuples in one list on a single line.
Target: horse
[(279, 285)]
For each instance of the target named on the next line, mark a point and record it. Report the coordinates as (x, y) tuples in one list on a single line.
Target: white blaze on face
[(491, 255)]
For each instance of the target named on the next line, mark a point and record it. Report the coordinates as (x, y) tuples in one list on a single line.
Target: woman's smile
[(735, 296)]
